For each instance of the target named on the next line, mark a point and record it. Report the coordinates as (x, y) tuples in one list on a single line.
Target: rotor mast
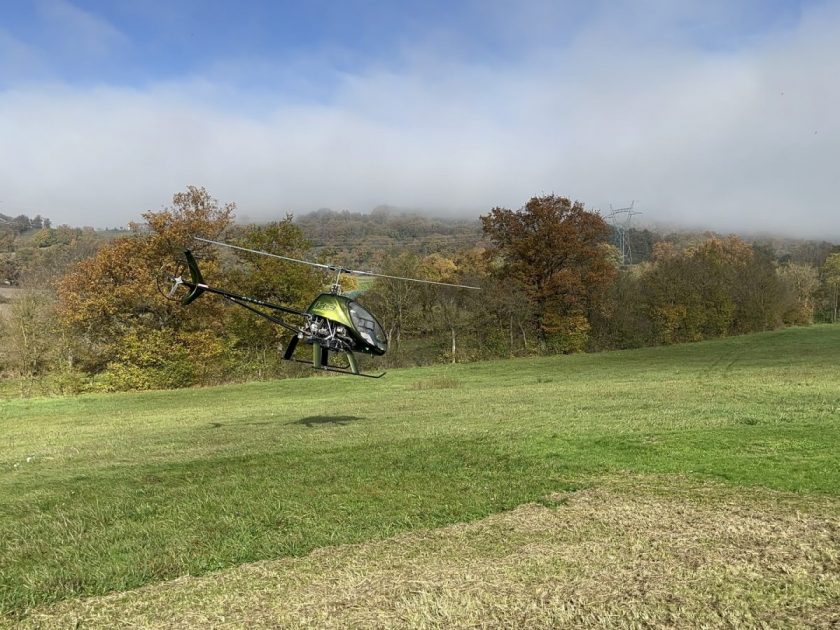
[(336, 287)]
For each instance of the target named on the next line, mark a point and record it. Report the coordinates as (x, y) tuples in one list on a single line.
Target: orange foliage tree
[(113, 297), (554, 250)]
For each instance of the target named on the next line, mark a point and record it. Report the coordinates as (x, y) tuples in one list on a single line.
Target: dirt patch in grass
[(626, 553)]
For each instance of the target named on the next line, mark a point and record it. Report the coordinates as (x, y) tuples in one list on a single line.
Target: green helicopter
[(332, 323)]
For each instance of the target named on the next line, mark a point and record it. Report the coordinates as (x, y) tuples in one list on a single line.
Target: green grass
[(634, 552), (108, 492)]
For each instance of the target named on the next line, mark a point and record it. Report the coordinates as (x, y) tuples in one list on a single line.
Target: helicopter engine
[(328, 334)]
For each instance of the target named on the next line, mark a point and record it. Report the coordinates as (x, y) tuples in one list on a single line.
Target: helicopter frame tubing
[(242, 300)]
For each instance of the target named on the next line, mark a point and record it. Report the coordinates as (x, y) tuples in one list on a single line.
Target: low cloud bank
[(743, 139)]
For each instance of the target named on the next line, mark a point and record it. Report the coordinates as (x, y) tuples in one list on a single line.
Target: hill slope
[(103, 493)]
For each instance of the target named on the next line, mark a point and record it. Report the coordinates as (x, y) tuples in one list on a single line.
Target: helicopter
[(333, 322)]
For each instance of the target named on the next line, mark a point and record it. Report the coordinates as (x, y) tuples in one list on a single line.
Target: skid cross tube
[(326, 368)]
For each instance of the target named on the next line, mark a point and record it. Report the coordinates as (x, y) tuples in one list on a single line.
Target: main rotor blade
[(261, 253), (382, 275), (356, 272)]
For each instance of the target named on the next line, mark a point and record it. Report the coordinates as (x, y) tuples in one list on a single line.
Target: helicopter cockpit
[(368, 327)]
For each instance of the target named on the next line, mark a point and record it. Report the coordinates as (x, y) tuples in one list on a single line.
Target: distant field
[(658, 481)]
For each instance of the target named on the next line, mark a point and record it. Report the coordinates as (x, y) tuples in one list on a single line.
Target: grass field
[(710, 456), (7, 294)]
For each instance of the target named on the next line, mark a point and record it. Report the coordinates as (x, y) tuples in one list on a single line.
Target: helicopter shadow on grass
[(309, 421), (313, 421)]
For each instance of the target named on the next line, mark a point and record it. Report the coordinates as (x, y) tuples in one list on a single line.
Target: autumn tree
[(623, 319), (450, 308), (396, 302), (116, 292), (831, 280), (717, 287), (273, 280), (801, 282), (672, 298), (759, 293), (27, 334), (724, 301), (555, 251)]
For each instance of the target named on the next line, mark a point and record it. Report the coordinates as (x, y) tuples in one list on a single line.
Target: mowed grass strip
[(110, 492), (628, 552)]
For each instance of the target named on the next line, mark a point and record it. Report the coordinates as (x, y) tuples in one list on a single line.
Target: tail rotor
[(170, 279)]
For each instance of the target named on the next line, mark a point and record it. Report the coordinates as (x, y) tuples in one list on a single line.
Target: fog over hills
[(715, 115)]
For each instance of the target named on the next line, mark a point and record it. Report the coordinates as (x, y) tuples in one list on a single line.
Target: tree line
[(552, 282), (21, 223)]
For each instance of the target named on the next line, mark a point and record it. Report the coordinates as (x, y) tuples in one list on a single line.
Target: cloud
[(17, 59), (729, 137), (81, 32)]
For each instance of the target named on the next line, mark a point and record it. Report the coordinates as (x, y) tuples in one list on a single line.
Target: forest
[(85, 310)]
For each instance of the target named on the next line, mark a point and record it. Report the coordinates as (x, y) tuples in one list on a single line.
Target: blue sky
[(136, 42), (450, 106)]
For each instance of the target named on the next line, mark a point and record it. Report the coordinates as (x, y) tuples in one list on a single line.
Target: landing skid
[(335, 369), (321, 360)]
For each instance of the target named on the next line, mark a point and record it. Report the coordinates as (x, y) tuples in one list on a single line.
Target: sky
[(710, 114)]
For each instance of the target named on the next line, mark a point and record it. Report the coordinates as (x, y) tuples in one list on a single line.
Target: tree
[(624, 321), (759, 293), (273, 280), (193, 213), (7, 238), (725, 301), (395, 302), (831, 278), (28, 334), (672, 296), (717, 287), (449, 306), (554, 250), (801, 282), (9, 270), (21, 223), (106, 297)]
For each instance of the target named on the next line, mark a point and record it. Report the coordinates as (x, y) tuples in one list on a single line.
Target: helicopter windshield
[(368, 327)]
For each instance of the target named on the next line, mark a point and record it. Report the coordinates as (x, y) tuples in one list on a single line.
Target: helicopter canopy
[(368, 327)]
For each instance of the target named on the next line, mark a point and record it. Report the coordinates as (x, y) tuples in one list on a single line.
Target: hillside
[(106, 493)]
